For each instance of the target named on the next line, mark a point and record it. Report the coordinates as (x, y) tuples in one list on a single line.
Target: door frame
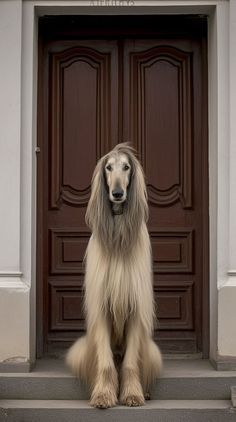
[(49, 29)]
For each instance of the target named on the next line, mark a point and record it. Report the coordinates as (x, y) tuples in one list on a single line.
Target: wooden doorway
[(103, 80)]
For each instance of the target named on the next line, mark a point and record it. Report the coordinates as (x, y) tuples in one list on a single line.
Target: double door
[(96, 92)]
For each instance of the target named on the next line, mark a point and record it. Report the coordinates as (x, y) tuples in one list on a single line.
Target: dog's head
[(117, 172), (118, 187)]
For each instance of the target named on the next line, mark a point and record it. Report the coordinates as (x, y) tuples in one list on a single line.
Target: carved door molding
[(142, 80), (167, 63), (63, 65)]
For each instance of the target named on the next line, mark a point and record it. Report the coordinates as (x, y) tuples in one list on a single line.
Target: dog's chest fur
[(118, 284)]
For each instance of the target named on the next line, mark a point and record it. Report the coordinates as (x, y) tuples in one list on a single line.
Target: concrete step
[(80, 411), (181, 380)]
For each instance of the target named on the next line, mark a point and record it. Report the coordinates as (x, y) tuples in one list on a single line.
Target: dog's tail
[(77, 358), (151, 363)]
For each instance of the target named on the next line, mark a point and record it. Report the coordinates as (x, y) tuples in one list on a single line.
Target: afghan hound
[(119, 301)]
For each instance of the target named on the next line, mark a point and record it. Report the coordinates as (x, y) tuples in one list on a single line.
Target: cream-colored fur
[(118, 302)]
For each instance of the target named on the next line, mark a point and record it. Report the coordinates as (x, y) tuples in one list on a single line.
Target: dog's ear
[(97, 192), (137, 207), (98, 215)]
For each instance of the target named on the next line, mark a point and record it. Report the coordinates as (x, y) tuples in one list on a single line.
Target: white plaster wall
[(232, 133), (14, 294), (29, 162), (227, 322), (14, 324), (213, 158), (227, 287), (10, 96), (18, 100)]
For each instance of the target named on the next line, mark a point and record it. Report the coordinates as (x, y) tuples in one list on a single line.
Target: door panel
[(161, 115), (81, 104), (81, 119), (161, 90), (96, 93)]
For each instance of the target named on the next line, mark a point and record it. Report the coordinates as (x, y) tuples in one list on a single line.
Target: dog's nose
[(118, 193)]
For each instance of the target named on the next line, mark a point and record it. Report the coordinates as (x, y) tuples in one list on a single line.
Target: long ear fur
[(135, 210), (136, 205), (99, 214)]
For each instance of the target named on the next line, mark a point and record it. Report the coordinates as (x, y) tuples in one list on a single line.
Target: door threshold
[(182, 356)]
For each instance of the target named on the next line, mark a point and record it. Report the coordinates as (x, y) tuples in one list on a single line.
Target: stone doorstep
[(153, 411), (181, 380)]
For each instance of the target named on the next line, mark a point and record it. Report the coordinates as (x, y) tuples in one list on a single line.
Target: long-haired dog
[(118, 287)]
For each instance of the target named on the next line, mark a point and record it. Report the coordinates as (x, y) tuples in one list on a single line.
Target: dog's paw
[(103, 401), (147, 396), (133, 400)]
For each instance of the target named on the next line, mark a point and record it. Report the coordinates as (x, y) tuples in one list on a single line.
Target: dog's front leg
[(105, 386), (131, 393)]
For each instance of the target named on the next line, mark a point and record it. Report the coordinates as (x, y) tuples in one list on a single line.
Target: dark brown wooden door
[(94, 94)]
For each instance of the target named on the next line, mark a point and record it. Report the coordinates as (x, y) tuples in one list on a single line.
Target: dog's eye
[(126, 167), (108, 167)]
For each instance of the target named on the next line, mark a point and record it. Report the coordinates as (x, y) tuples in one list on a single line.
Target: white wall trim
[(10, 274), (12, 284)]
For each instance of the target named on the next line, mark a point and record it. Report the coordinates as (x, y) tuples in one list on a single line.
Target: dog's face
[(118, 173)]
